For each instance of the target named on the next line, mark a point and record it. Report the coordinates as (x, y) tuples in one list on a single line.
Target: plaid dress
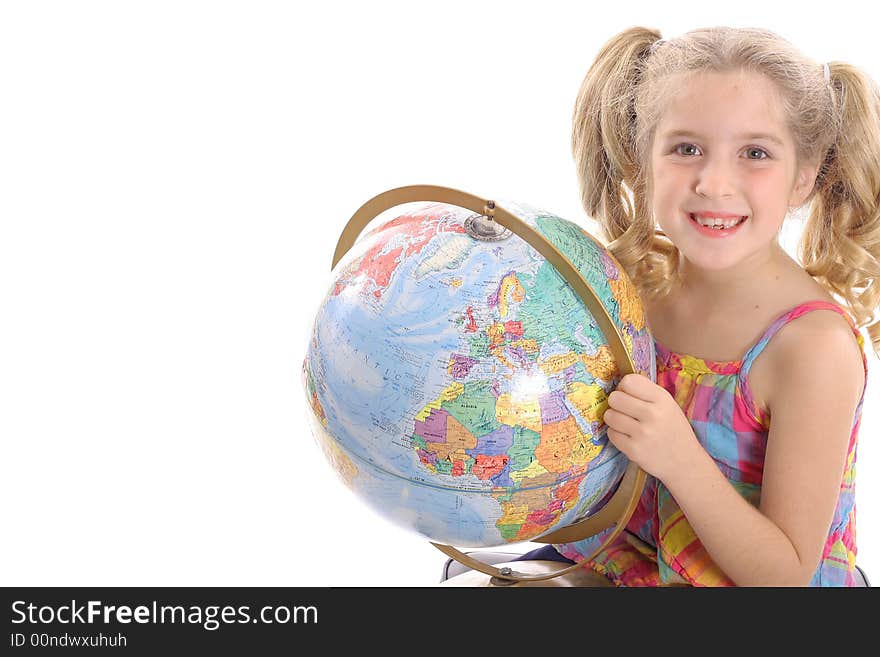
[(659, 547)]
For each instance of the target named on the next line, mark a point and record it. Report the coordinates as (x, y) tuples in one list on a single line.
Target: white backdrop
[(173, 179)]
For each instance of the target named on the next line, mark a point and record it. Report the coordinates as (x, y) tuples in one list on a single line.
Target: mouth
[(717, 227)]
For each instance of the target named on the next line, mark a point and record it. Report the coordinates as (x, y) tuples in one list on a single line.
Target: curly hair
[(836, 123)]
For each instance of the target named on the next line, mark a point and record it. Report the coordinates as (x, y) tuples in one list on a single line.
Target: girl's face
[(723, 150)]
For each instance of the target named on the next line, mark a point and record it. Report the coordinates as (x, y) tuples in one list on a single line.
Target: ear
[(804, 181)]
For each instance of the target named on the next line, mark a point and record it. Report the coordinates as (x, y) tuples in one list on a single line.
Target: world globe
[(456, 380)]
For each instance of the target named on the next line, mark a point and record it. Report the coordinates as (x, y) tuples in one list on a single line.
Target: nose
[(716, 178)]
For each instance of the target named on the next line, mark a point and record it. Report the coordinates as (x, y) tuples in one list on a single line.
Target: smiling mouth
[(717, 224)]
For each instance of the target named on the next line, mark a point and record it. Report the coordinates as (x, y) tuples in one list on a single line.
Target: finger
[(627, 404), (620, 422), (638, 386), (620, 440)]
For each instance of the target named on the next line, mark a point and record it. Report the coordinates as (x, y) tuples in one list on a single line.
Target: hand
[(649, 427)]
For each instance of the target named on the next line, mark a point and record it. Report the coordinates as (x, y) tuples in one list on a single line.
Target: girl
[(689, 154)]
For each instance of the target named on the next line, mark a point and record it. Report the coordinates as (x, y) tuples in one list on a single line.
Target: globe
[(456, 382)]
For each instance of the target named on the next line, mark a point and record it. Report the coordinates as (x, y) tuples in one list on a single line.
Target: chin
[(708, 256), (707, 263), (719, 259)]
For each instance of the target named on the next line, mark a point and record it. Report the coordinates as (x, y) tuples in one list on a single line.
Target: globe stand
[(580, 578), (618, 510)]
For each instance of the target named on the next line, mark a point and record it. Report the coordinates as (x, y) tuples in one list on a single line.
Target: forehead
[(723, 105)]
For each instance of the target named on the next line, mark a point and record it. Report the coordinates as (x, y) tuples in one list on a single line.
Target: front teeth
[(716, 222)]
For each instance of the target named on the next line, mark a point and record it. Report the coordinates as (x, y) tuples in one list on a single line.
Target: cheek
[(669, 187), (769, 194), (669, 180), (766, 182)]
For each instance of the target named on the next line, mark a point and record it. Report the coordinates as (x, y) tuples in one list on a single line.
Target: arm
[(781, 542)]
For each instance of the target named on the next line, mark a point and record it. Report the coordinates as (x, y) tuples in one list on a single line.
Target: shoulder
[(816, 349)]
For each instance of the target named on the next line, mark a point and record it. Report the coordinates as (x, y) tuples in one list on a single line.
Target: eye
[(755, 149), (678, 151)]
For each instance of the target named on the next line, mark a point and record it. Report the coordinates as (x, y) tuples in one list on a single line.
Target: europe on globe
[(456, 382)]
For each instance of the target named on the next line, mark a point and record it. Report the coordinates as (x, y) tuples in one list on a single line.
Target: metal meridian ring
[(617, 510)]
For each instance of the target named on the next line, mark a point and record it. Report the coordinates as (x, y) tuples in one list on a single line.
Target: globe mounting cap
[(485, 228)]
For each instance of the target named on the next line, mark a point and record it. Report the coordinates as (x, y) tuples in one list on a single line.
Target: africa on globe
[(456, 382)]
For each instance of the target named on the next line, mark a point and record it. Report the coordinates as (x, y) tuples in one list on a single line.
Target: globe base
[(582, 577)]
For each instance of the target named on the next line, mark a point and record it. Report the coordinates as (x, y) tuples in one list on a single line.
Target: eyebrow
[(751, 135)]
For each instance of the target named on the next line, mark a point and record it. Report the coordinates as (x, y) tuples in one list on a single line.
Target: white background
[(173, 179)]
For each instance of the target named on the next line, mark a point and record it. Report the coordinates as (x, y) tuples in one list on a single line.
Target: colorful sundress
[(659, 547)]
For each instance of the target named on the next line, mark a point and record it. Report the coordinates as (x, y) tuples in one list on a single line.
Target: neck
[(748, 279)]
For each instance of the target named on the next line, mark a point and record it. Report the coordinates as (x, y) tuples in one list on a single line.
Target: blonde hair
[(836, 124)]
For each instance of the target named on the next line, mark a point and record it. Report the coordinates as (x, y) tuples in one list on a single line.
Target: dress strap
[(785, 318)]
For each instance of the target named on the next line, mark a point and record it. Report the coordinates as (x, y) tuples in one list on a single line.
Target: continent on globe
[(458, 385)]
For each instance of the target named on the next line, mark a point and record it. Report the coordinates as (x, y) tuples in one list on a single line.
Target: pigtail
[(840, 244), (613, 186)]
